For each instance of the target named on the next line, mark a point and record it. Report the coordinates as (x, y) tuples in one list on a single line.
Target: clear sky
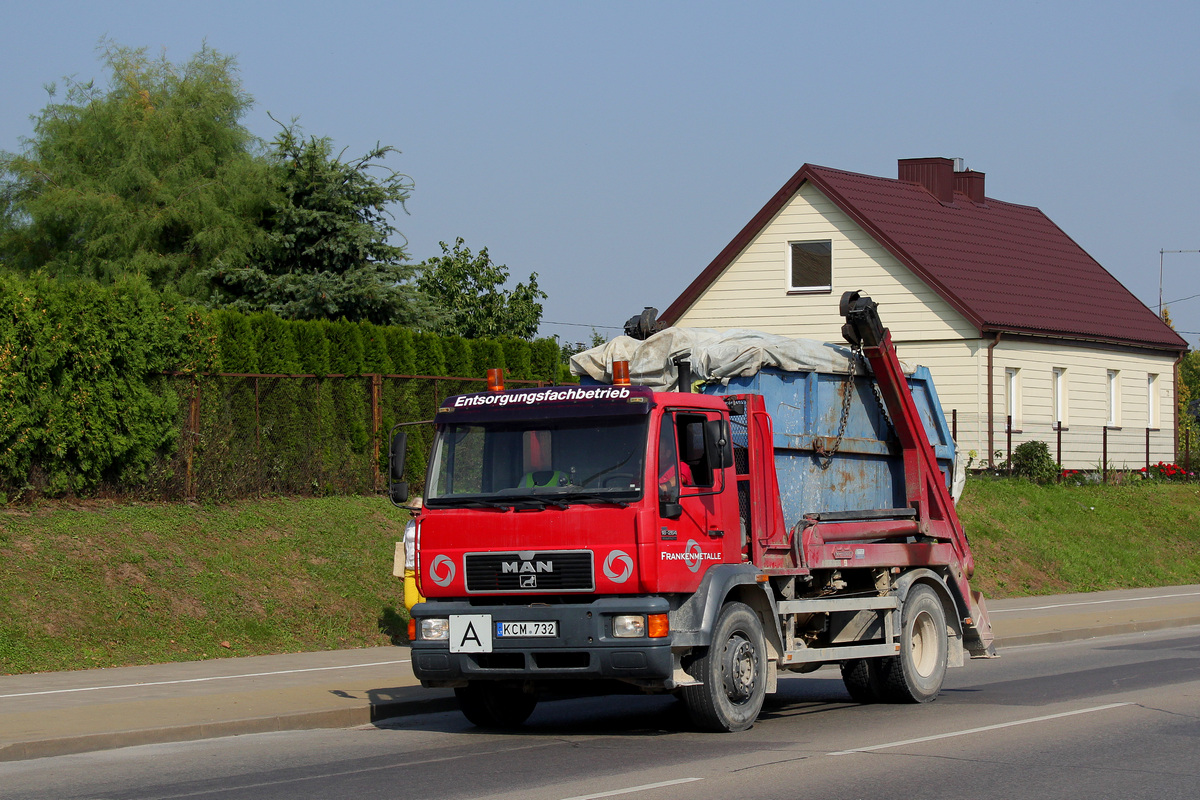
[(614, 148)]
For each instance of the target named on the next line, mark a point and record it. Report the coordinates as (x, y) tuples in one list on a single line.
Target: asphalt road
[(1110, 717)]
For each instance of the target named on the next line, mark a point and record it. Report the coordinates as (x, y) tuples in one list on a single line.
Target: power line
[(583, 325), (1160, 276), (1180, 300)]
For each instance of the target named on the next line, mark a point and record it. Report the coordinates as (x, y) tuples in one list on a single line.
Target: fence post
[(1187, 450), (1058, 436), (1147, 451), (376, 424), (257, 423), (1008, 437), (1104, 453), (190, 436)]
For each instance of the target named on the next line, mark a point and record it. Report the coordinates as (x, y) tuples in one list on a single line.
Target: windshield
[(540, 462)]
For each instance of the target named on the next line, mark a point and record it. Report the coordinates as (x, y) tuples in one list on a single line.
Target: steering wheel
[(618, 480)]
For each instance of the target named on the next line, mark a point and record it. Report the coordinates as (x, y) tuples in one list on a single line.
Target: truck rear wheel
[(863, 680), (916, 674), (732, 671), (495, 704)]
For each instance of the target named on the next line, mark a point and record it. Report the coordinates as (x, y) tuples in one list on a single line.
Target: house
[(1011, 316)]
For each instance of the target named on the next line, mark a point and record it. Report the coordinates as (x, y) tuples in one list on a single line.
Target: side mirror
[(397, 486), (718, 444)]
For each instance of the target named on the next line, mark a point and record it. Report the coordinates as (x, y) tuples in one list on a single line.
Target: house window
[(1152, 401), (1058, 390), (1114, 398), (1012, 392), (811, 266)]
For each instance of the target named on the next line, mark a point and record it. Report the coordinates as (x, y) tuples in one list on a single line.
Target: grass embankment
[(1030, 539), (101, 585)]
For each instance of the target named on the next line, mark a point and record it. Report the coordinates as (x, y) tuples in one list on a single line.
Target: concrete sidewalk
[(72, 712)]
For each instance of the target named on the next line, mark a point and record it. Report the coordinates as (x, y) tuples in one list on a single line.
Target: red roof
[(1004, 267)]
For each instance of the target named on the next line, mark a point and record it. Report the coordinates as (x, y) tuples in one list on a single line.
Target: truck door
[(692, 536)]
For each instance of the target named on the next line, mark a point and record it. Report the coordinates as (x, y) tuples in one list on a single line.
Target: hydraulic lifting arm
[(925, 485)]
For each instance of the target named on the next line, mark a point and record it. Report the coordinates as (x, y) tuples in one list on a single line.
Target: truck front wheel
[(916, 674), (732, 671), (496, 704)]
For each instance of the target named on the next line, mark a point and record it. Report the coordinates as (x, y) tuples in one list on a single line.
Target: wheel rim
[(741, 668), (924, 644)]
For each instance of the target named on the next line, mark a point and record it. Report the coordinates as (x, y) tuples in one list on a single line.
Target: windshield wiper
[(588, 498), (539, 499), (469, 502)]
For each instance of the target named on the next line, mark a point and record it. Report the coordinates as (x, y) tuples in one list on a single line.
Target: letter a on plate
[(470, 633)]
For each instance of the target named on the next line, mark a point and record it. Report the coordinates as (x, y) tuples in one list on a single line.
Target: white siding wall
[(752, 292), (959, 371), (1086, 380)]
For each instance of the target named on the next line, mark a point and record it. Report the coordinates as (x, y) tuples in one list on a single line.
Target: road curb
[(1094, 632), (272, 723)]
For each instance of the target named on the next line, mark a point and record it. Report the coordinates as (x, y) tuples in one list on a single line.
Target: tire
[(863, 680), (732, 672), (917, 673), (495, 704)]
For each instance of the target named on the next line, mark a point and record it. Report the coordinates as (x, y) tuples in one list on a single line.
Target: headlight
[(628, 626), (410, 545), (435, 628)]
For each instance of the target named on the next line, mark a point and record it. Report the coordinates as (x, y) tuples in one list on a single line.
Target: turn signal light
[(620, 373), (412, 630), (658, 627), (495, 380)]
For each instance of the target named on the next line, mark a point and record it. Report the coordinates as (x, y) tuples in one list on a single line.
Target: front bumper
[(583, 649)]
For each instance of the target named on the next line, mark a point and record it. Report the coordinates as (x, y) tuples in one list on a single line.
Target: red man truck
[(699, 543)]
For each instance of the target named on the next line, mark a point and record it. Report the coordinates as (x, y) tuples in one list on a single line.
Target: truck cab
[(560, 528)]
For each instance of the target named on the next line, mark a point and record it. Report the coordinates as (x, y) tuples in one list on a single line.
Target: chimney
[(935, 174), (970, 183)]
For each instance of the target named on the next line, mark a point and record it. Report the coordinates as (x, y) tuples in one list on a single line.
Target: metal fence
[(1097, 448), (244, 434)]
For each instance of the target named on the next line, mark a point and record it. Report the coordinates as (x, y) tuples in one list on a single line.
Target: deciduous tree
[(469, 287)]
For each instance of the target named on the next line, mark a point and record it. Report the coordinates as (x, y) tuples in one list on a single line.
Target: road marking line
[(1094, 603), (644, 787), (201, 680), (978, 730)]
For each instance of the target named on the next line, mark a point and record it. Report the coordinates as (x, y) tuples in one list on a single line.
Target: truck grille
[(551, 571)]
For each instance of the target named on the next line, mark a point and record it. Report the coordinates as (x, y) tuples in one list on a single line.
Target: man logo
[(692, 556), (522, 567), (435, 570), (615, 558)]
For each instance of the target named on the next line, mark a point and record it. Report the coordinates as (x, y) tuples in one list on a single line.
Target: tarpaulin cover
[(714, 356)]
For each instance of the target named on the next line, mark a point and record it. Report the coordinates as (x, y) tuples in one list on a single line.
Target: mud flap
[(977, 634)]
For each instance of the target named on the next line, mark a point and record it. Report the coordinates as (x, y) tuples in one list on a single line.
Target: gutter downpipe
[(992, 402)]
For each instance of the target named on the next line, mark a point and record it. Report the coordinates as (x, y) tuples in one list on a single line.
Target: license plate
[(527, 628)]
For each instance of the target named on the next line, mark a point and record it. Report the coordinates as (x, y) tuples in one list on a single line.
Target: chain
[(882, 406), (825, 457)]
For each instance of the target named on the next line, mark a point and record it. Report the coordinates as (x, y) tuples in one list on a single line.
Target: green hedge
[(83, 398), (85, 402)]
